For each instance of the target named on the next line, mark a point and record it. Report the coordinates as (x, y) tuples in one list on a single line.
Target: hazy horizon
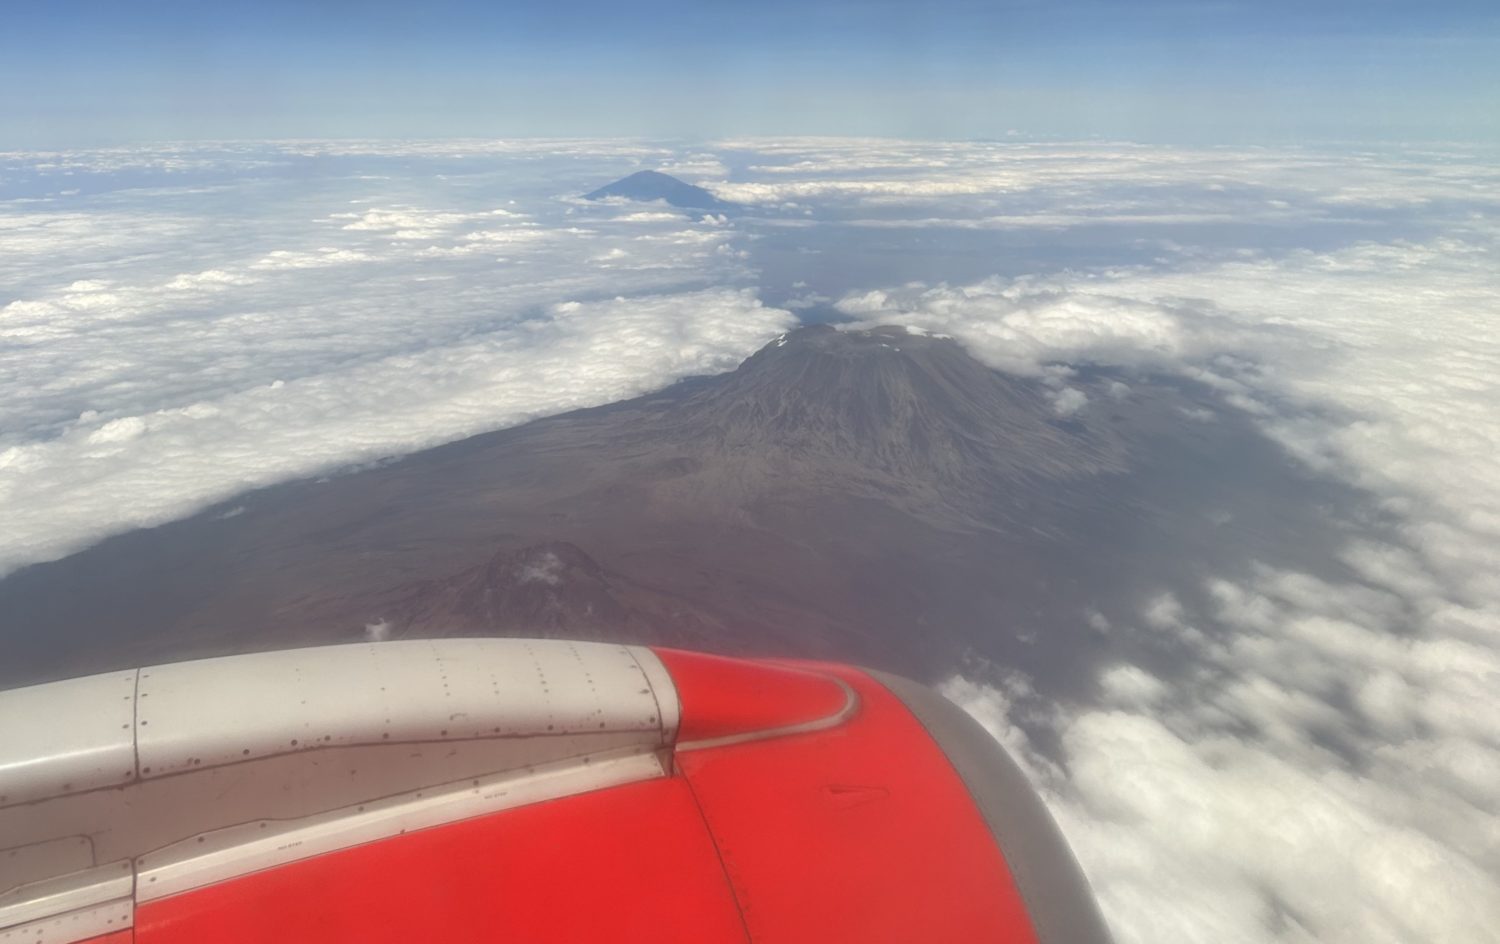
[(83, 72)]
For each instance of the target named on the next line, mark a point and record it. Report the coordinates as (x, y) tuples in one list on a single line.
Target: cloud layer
[(1327, 767), (1321, 762), (160, 351)]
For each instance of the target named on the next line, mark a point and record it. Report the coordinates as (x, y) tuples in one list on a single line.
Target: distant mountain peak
[(650, 185)]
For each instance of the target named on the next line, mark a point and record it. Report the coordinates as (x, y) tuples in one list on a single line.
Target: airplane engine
[(517, 790)]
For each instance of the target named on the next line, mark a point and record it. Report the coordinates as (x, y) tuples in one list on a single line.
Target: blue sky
[(76, 72)]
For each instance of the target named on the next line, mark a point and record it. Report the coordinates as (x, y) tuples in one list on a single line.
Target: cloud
[(157, 355), (417, 223), (100, 476), (695, 166), (1397, 339), (1020, 325), (1217, 809), (320, 258), (1000, 186), (209, 280), (1068, 401), (1324, 765), (1131, 685), (649, 216)]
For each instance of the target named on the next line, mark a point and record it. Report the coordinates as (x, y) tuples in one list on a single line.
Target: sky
[(78, 72)]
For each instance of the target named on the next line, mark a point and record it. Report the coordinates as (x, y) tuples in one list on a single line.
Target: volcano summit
[(648, 185)]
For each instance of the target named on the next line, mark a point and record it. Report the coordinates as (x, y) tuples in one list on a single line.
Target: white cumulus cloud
[(158, 354), (1329, 768)]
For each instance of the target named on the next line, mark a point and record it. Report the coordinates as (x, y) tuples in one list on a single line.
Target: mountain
[(649, 185), (914, 419), (548, 590), (871, 496)]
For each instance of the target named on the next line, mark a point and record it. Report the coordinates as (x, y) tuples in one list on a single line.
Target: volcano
[(873, 496), (648, 185)]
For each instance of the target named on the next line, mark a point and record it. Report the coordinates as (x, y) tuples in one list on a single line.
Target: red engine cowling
[(515, 790)]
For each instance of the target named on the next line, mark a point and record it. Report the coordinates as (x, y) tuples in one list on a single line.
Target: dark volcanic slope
[(884, 413), (870, 496), (648, 185), (552, 590)]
